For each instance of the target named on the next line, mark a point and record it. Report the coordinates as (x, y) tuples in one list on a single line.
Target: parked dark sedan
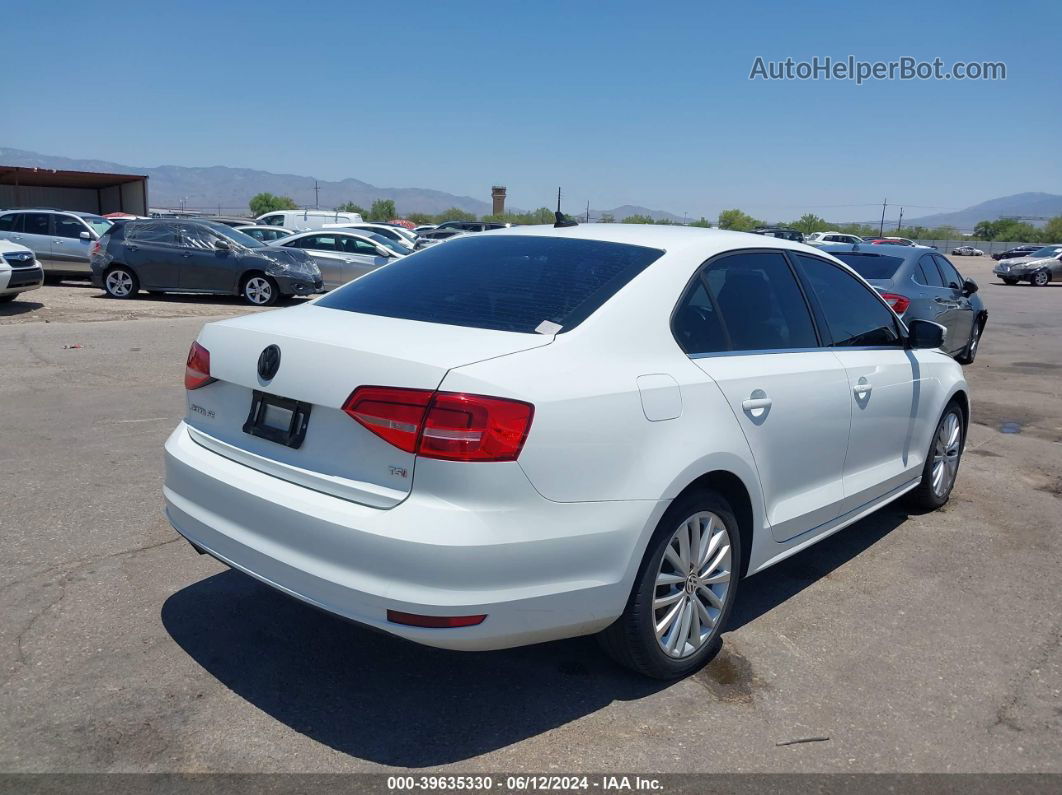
[(198, 257), (921, 284), (1017, 251)]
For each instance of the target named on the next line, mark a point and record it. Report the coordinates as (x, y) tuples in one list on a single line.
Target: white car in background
[(302, 220), (819, 238), (398, 234), (19, 271), (343, 254), (264, 233), (539, 433)]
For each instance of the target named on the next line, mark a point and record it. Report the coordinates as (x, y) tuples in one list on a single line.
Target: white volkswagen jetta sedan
[(537, 433)]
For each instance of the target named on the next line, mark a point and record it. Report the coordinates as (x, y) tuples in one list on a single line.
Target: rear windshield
[(870, 266), (506, 283)]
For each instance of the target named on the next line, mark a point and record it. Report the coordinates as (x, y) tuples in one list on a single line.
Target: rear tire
[(120, 282), (259, 290), (942, 461), (689, 595)]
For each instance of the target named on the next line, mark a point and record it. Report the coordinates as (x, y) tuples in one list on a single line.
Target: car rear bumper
[(539, 570)]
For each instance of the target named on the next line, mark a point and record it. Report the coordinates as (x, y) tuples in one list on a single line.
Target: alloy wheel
[(119, 283), (692, 585), (258, 290), (946, 450)]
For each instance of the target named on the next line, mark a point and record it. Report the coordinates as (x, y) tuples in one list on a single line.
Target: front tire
[(120, 282), (684, 591), (942, 461), (1009, 280), (260, 290), (1041, 278), (9, 297), (970, 352)]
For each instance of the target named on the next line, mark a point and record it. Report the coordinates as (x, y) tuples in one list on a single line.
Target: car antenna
[(562, 219)]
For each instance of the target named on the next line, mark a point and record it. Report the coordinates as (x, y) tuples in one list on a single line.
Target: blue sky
[(620, 103)]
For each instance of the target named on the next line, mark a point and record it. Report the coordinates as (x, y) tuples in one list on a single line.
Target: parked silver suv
[(60, 239)]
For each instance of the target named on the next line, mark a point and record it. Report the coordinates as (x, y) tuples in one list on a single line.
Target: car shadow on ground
[(381, 699), (19, 306)]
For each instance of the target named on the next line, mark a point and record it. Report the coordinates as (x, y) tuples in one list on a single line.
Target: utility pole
[(899, 224), (684, 218), (316, 195), (588, 211), (884, 204)]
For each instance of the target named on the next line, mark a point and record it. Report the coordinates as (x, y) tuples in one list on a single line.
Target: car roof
[(900, 252), (694, 240)]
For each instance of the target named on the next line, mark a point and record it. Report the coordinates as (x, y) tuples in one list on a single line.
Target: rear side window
[(744, 302), (35, 223), (506, 283), (870, 266), (9, 223), (854, 314), (927, 272), (152, 232)]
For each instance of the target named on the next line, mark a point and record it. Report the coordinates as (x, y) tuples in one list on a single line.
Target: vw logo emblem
[(269, 362)]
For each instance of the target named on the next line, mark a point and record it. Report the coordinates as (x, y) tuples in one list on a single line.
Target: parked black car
[(471, 226), (1017, 251), (780, 232), (185, 256)]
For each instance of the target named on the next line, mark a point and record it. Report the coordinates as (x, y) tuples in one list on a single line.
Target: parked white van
[(302, 220)]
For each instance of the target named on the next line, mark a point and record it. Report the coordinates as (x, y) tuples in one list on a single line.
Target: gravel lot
[(912, 642)]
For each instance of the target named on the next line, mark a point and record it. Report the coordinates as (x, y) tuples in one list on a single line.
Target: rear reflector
[(899, 303), (197, 368), (449, 425), (434, 622)]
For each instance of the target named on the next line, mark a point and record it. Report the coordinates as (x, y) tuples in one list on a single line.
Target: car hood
[(7, 247)]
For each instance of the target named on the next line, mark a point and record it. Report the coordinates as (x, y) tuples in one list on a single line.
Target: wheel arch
[(246, 274), (733, 489)]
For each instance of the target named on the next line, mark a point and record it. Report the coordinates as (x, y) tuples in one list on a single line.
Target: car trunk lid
[(324, 355)]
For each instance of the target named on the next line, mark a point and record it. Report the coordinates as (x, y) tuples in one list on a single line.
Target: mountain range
[(1034, 208), (223, 189)]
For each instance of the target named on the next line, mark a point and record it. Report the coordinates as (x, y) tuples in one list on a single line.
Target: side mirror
[(925, 334), (85, 236), (969, 287), (222, 245)]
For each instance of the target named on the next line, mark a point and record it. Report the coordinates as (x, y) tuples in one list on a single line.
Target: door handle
[(862, 388), (186, 255), (755, 404), (129, 247)]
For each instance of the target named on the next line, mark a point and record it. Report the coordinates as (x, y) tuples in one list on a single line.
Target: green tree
[(454, 214), (737, 220), (809, 222), (267, 203), (1053, 230), (637, 219), (351, 207), (703, 222), (382, 210), (419, 218), (607, 218)]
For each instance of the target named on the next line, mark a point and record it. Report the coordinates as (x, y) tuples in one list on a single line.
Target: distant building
[(85, 191), (497, 193)]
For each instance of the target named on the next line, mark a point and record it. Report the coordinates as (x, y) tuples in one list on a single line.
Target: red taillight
[(95, 248), (449, 425), (899, 303), (197, 368), (435, 622)]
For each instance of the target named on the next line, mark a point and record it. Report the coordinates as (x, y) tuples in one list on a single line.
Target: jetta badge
[(269, 362)]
